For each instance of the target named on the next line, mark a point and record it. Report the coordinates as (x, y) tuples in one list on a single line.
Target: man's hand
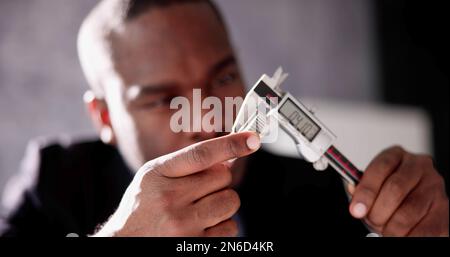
[(185, 193), (401, 194)]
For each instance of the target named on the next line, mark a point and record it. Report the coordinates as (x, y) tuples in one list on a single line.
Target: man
[(145, 180)]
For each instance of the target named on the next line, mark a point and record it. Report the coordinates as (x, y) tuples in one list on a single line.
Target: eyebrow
[(228, 60), (136, 91)]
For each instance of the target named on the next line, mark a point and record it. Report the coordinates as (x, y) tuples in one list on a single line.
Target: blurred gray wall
[(41, 83), (326, 46)]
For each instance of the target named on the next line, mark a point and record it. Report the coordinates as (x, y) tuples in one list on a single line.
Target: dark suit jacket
[(72, 188)]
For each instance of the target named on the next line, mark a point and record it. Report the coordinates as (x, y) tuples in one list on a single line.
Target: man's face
[(164, 53)]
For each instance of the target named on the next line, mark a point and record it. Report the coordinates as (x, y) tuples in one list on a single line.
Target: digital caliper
[(314, 141)]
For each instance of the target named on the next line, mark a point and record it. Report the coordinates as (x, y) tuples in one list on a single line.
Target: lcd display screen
[(299, 120)]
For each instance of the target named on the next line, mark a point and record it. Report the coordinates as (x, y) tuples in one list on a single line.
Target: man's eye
[(163, 102), (225, 80)]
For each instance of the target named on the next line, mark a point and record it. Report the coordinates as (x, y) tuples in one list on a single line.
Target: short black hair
[(93, 37), (134, 8)]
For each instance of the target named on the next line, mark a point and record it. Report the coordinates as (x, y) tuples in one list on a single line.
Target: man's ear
[(99, 114)]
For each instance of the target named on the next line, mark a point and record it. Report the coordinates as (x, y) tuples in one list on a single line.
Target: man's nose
[(205, 131), (202, 130), (202, 136)]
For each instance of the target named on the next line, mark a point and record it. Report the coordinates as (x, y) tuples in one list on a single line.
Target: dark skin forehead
[(175, 45)]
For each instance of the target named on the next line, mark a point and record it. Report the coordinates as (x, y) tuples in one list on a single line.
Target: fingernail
[(253, 142), (359, 210)]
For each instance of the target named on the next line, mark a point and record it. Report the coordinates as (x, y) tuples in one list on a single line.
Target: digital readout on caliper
[(299, 120)]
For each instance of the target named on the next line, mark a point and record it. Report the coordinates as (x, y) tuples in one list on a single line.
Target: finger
[(372, 227), (204, 154), (415, 206), (228, 228), (217, 207), (372, 180), (435, 222), (395, 189), (198, 185)]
